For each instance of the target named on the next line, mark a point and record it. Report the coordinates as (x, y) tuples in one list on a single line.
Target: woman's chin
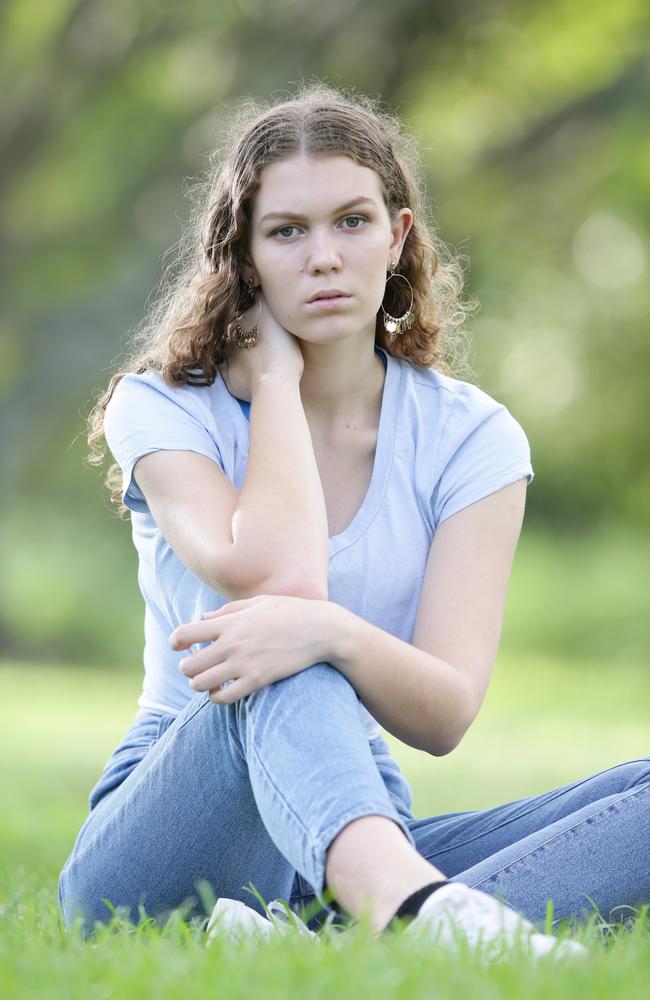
[(328, 337), (334, 330)]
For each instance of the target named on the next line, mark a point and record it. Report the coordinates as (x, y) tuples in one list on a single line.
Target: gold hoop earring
[(247, 338), (397, 324)]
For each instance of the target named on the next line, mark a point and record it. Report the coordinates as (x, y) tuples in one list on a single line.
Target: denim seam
[(316, 845), (276, 790), (587, 819), (79, 853), (313, 844), (163, 725), (526, 812), (234, 732), (193, 715)]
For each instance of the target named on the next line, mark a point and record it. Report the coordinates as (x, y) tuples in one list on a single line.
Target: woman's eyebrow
[(296, 215)]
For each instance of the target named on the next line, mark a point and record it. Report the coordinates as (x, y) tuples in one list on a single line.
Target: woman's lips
[(333, 303)]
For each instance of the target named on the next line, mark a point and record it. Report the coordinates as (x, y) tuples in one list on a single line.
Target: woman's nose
[(322, 252)]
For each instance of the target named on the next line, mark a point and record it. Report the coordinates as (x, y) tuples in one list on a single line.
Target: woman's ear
[(400, 231), (247, 271)]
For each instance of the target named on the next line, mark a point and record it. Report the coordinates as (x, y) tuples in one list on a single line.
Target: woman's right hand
[(276, 350)]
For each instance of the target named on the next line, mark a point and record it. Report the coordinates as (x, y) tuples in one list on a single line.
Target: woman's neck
[(341, 387)]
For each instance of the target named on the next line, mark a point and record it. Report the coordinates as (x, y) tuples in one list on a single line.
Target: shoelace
[(284, 918)]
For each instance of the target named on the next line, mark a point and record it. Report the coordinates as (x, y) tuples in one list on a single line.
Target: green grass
[(544, 723), (38, 959)]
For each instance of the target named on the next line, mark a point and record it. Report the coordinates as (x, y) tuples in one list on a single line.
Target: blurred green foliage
[(532, 118)]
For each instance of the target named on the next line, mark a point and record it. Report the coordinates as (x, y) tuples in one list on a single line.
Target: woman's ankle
[(386, 910), (372, 868)]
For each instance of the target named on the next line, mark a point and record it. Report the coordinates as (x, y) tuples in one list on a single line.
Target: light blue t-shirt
[(442, 444)]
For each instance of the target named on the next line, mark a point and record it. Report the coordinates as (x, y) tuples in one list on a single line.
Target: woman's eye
[(355, 218), (284, 231)]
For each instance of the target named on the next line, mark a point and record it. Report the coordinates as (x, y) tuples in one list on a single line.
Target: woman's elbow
[(277, 585), (448, 741), (236, 580), (440, 749)]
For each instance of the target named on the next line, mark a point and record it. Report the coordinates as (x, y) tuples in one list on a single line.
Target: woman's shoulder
[(452, 397), (145, 409), (133, 382), (150, 391), (468, 444), (454, 416)]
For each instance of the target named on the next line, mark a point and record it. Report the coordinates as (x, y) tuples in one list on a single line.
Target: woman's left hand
[(254, 642)]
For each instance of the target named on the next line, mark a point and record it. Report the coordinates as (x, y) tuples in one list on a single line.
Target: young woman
[(325, 519)]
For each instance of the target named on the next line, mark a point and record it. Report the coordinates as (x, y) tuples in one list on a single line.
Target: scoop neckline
[(384, 451)]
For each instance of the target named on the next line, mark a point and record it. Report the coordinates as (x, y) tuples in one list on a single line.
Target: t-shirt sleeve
[(146, 415), (483, 449)]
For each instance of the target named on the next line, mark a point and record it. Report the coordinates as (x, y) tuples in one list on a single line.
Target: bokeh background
[(533, 121)]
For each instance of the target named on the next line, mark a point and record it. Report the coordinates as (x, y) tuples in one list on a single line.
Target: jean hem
[(328, 835)]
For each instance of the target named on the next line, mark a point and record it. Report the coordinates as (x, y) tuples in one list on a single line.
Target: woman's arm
[(280, 520), (428, 693), (269, 538)]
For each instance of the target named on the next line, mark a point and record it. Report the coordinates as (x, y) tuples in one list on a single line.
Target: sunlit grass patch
[(566, 719), (40, 956)]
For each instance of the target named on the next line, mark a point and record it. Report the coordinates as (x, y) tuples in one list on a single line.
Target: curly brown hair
[(185, 333)]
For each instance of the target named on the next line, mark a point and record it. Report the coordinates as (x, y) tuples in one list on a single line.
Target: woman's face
[(321, 223)]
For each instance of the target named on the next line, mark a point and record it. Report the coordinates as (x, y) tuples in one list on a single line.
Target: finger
[(186, 635), (205, 680), (201, 660), (214, 676), (232, 693)]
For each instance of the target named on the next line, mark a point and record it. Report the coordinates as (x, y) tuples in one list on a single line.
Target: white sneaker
[(456, 916), (240, 922)]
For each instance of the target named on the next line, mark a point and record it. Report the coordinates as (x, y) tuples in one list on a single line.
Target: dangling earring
[(247, 338), (396, 324)]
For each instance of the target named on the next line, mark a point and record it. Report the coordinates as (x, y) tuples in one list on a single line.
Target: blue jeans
[(256, 791)]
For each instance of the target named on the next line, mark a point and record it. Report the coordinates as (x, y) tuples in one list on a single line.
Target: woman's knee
[(320, 678), (80, 906), (318, 688), (86, 899), (635, 772)]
